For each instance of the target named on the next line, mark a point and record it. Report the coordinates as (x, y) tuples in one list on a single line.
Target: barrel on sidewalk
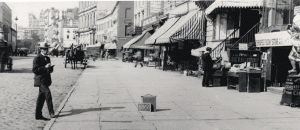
[(148, 98)]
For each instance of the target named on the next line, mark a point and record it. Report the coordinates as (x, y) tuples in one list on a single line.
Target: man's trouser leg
[(136, 62), (39, 104), (210, 77), (141, 63), (204, 78), (44, 94)]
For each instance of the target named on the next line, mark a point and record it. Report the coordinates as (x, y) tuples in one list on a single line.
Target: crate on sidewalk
[(144, 107)]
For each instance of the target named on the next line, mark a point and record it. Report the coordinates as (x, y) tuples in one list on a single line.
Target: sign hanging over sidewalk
[(282, 38)]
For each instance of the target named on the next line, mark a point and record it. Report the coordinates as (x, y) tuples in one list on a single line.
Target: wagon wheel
[(292, 105), (9, 64), (9, 67), (84, 63)]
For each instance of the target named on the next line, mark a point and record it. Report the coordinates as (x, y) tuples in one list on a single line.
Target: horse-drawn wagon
[(75, 55)]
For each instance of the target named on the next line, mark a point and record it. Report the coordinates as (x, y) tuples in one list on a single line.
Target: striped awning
[(234, 4), (134, 40), (110, 46), (140, 44), (203, 4), (189, 26), (167, 25)]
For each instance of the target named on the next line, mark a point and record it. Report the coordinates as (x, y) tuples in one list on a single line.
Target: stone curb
[(61, 106)]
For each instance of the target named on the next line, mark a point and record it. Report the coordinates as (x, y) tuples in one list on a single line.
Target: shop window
[(220, 27), (127, 30), (127, 12)]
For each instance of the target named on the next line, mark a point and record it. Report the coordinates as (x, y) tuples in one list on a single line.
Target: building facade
[(33, 21), (71, 13), (6, 21), (117, 25), (85, 34), (28, 33), (69, 33)]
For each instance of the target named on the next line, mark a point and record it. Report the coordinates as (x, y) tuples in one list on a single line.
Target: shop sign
[(243, 46), (282, 38), (297, 10)]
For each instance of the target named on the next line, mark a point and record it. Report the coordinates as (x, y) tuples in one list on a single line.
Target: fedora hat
[(44, 45)]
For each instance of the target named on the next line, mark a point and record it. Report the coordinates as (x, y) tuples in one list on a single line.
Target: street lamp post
[(16, 49)]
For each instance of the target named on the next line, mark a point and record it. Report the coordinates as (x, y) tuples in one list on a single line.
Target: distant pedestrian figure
[(207, 67), (138, 56), (106, 54), (42, 69)]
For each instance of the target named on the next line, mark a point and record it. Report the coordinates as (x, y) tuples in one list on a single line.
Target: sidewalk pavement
[(107, 93)]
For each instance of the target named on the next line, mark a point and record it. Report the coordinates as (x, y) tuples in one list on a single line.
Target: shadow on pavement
[(89, 66), (79, 111), (23, 70), (157, 110)]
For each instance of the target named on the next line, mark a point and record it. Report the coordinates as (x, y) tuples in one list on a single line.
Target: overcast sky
[(22, 9)]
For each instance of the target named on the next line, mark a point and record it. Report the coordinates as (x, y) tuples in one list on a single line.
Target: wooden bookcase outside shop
[(241, 56)]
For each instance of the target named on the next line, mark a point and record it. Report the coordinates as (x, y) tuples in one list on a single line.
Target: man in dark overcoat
[(207, 64), (42, 69)]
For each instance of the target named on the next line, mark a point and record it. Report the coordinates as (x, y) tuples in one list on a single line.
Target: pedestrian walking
[(207, 64), (138, 56), (42, 70), (106, 54)]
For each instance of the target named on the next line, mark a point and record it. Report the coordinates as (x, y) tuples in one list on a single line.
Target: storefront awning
[(134, 40), (167, 25), (140, 44), (234, 4), (188, 26), (110, 46)]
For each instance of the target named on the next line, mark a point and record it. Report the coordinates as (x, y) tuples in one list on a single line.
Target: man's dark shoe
[(42, 118), (52, 115)]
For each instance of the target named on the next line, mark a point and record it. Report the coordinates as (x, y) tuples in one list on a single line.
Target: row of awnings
[(108, 46), (279, 4), (185, 27)]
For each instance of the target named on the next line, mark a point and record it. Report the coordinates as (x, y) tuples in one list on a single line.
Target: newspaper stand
[(291, 92)]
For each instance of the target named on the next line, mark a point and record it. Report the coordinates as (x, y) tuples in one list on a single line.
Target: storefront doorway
[(277, 65)]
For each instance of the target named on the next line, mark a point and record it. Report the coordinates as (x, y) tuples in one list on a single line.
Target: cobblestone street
[(18, 96)]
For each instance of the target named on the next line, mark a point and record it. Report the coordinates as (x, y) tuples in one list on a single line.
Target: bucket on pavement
[(148, 98)]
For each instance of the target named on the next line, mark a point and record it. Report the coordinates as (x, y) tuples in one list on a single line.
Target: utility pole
[(16, 49)]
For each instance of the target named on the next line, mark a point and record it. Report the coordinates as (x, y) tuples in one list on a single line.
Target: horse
[(70, 56), (78, 56)]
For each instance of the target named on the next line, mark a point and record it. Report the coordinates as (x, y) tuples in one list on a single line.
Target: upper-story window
[(127, 12)]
